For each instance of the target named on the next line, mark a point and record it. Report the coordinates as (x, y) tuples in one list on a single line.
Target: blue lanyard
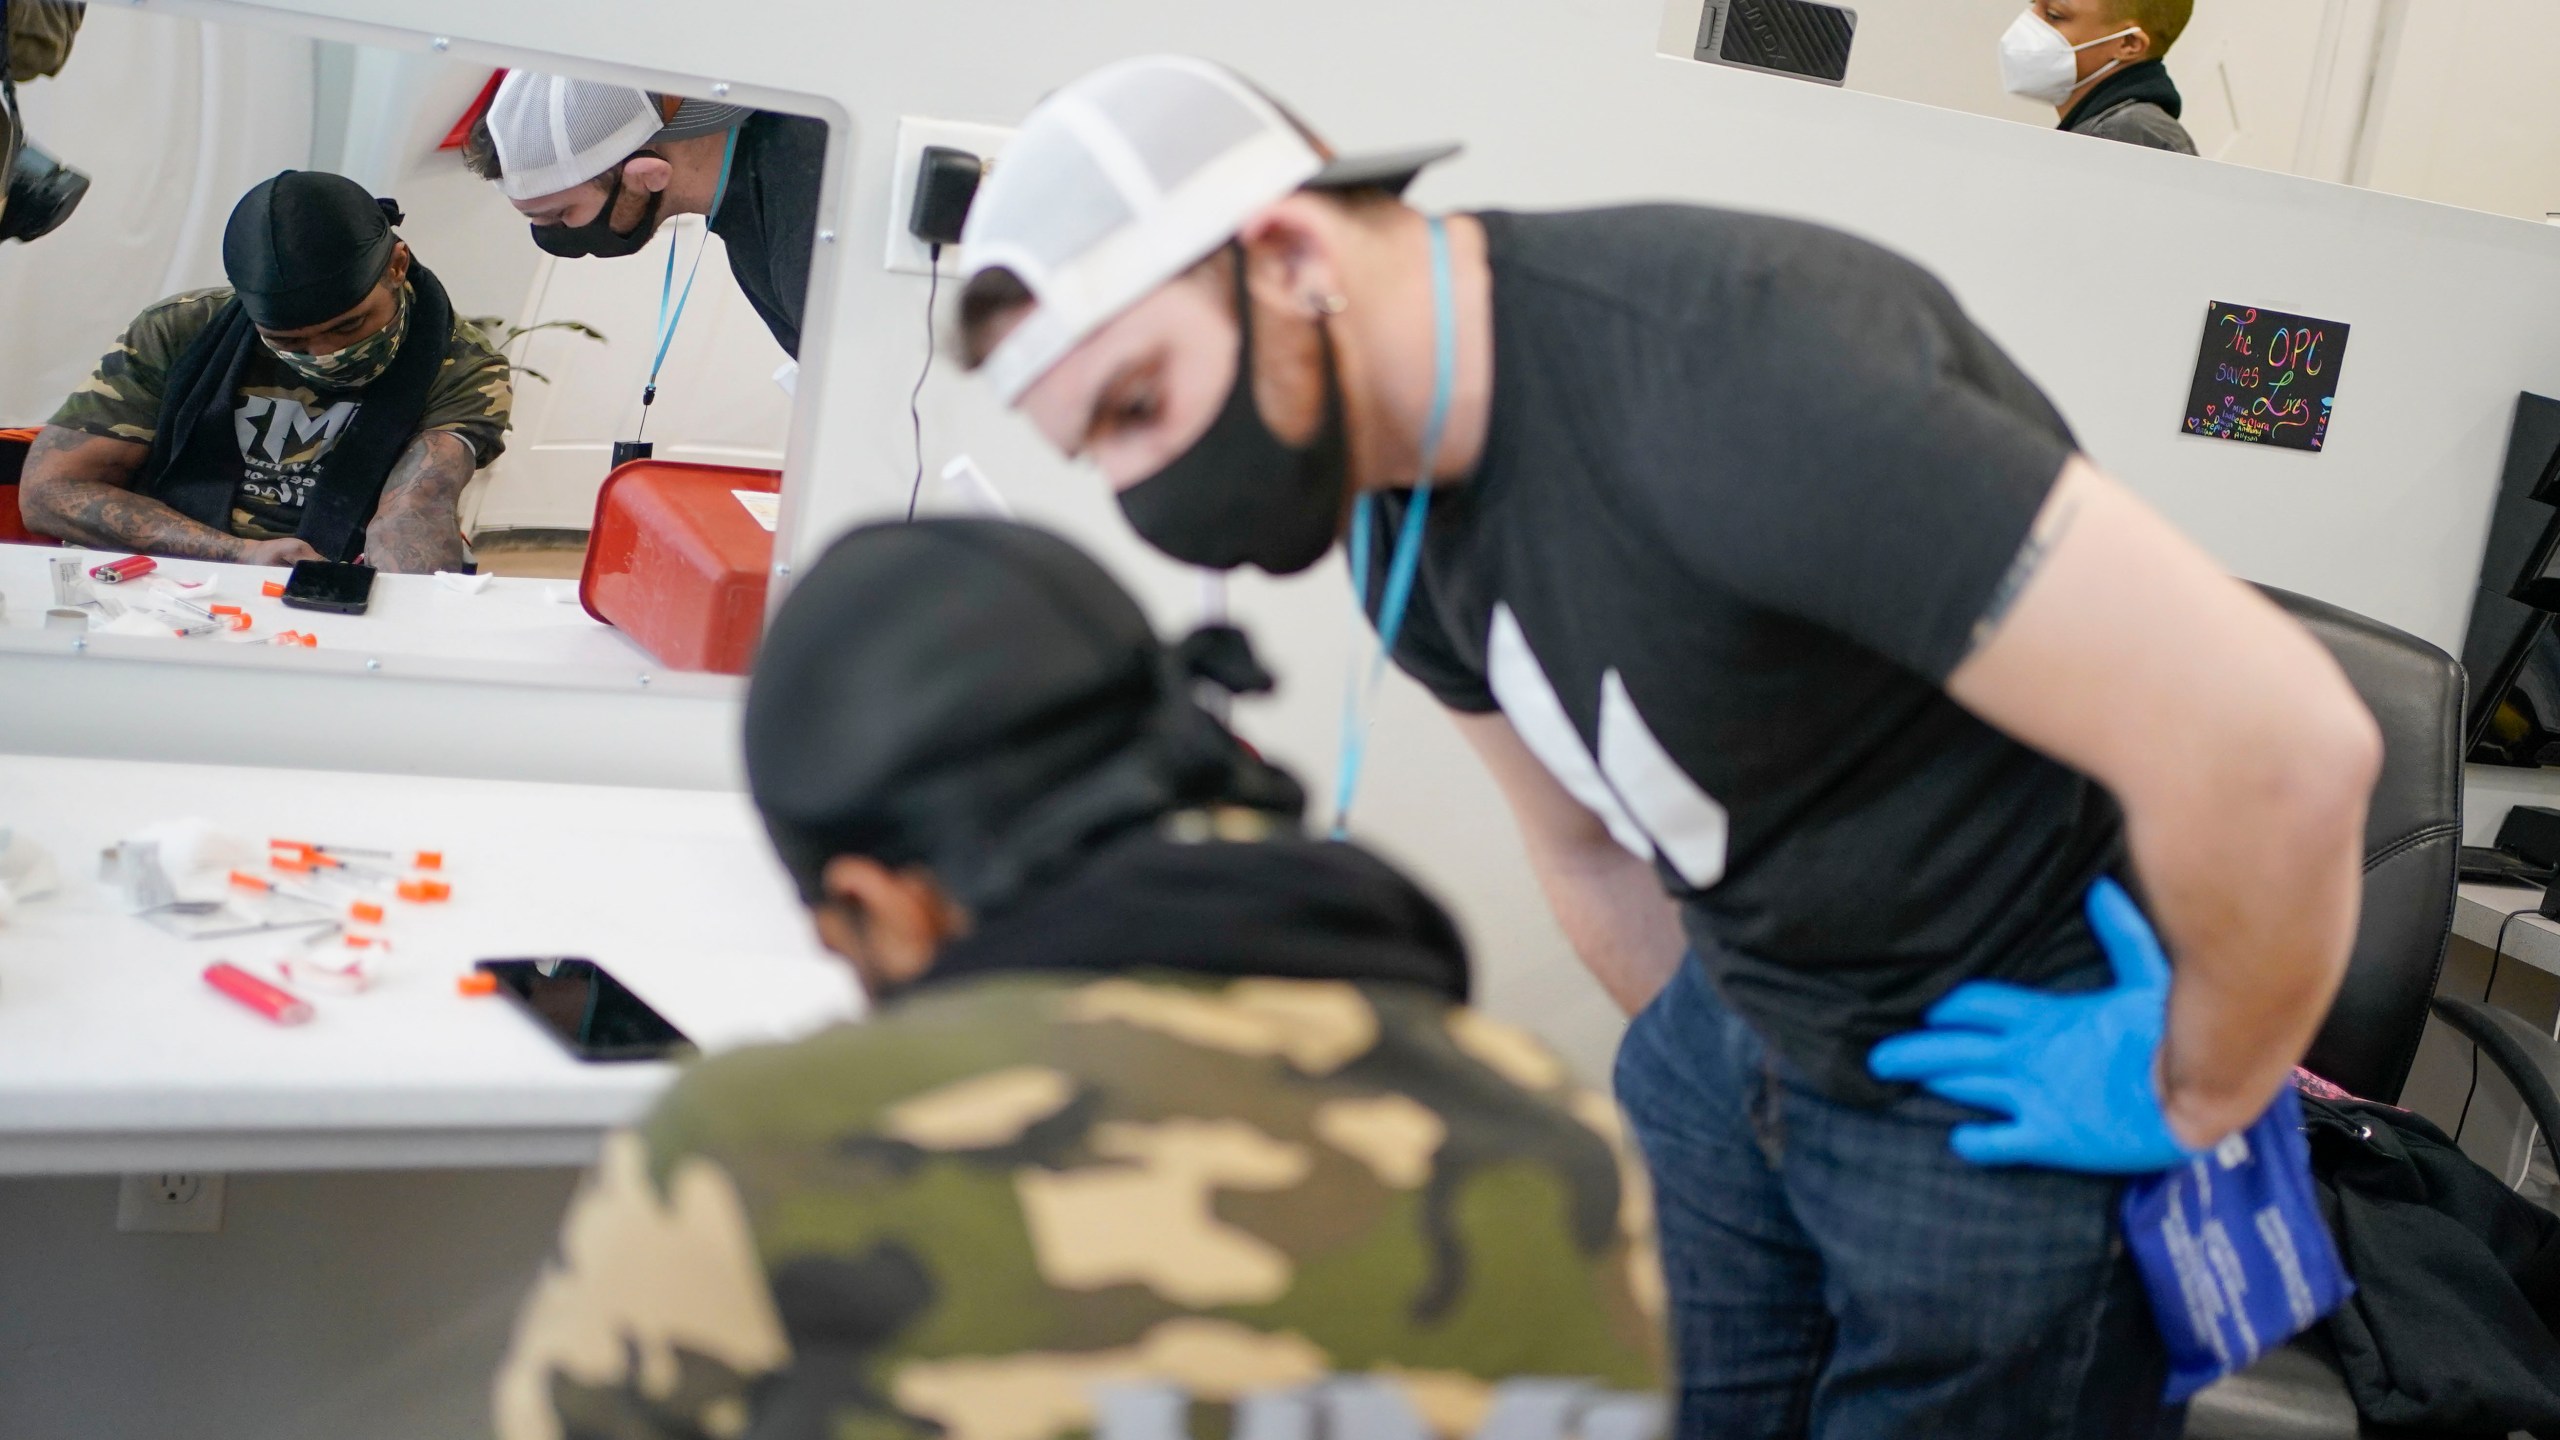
[(1359, 696), (667, 323)]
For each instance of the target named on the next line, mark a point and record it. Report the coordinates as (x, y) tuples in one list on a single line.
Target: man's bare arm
[(1610, 903), (2240, 754), (415, 528), (79, 487)]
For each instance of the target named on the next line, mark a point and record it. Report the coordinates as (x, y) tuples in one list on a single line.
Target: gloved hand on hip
[(2074, 1075)]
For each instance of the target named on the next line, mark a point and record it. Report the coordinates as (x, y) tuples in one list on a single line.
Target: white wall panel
[(172, 120)]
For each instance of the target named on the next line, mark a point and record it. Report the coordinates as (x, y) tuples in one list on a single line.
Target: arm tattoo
[(415, 529), (78, 487), (2048, 533)]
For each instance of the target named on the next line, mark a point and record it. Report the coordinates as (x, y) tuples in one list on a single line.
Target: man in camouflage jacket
[(1170, 1121), (290, 415)]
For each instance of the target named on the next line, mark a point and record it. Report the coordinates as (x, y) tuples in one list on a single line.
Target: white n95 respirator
[(2038, 62)]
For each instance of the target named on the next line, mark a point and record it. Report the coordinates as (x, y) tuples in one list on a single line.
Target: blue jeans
[(1838, 1272)]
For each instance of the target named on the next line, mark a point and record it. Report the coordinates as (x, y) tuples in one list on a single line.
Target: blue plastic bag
[(2233, 1251)]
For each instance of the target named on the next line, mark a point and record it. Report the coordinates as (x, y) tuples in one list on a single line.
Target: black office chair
[(2413, 835)]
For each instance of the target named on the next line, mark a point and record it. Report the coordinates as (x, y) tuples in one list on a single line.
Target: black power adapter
[(946, 181)]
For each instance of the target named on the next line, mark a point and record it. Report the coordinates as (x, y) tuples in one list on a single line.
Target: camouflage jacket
[(1025, 1206), (39, 36), (286, 428)]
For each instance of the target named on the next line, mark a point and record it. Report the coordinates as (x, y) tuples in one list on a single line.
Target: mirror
[(2434, 101), (234, 407)]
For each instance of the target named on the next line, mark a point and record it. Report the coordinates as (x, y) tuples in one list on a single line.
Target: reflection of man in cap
[(595, 167), (1165, 1108), (327, 404)]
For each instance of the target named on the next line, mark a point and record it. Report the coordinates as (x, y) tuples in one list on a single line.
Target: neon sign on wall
[(2266, 378)]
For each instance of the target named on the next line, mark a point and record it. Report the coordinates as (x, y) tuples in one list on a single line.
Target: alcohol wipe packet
[(2233, 1251)]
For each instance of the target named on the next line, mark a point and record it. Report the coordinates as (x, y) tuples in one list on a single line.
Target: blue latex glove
[(2073, 1073)]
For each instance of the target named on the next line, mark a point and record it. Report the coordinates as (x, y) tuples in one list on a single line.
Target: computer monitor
[(2511, 648), (1804, 38)]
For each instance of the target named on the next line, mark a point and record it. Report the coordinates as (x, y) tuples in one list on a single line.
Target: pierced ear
[(649, 172), (1281, 248)]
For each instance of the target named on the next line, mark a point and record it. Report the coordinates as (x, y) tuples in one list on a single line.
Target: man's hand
[(276, 552), (415, 528), (2073, 1076), (1610, 903), (2240, 754), (79, 487)]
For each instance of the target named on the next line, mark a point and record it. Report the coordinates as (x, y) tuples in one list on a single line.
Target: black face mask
[(597, 236), (1239, 495)]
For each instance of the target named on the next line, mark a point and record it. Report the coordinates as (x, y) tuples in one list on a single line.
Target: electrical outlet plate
[(908, 255), (170, 1202)]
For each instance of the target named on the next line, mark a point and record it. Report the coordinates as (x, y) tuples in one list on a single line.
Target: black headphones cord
[(915, 416), (2497, 953)]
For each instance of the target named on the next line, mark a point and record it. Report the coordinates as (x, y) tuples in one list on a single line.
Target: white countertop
[(115, 1055), (411, 618), (2483, 909)]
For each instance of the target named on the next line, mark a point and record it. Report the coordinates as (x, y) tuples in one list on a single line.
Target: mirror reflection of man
[(287, 416), (596, 167), (2097, 63)]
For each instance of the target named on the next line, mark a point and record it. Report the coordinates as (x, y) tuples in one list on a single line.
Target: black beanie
[(981, 698), (305, 247)]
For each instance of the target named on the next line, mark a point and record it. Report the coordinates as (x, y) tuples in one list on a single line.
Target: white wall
[(172, 121), (2466, 111), (328, 1307), (398, 107), (2247, 69), (2438, 101), (717, 402)]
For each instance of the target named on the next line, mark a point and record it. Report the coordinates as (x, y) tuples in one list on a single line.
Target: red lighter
[(282, 1006), (116, 572)]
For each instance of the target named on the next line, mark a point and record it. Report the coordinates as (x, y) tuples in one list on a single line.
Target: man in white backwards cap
[(1834, 689), (597, 166)]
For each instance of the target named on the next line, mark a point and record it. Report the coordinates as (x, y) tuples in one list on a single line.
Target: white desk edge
[(2484, 908)]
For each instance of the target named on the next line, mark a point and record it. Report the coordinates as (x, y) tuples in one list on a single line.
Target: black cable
[(2497, 952), (915, 416)]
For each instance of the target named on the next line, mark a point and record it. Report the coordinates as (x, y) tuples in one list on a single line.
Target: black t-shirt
[(769, 217), (1749, 485)]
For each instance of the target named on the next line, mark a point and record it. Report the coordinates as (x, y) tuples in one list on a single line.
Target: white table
[(2483, 908), (116, 1056), (411, 617)]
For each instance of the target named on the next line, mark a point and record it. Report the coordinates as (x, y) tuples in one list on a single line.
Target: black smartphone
[(593, 1015), (327, 585)]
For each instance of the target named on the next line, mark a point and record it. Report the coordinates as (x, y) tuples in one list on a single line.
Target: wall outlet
[(908, 255), (170, 1202)]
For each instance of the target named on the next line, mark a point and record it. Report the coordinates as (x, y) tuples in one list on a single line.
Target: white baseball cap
[(1126, 178), (553, 132)]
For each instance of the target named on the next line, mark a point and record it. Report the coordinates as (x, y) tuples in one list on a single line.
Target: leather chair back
[(2412, 847)]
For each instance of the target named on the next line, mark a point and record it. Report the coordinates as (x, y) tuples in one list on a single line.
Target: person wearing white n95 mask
[(2097, 63)]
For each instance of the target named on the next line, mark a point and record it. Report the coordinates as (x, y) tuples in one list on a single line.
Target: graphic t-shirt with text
[(286, 427), (1749, 485)]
